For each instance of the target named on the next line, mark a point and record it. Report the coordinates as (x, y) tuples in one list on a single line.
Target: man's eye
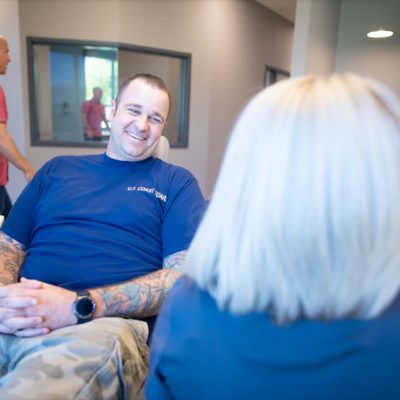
[(134, 111), (156, 120)]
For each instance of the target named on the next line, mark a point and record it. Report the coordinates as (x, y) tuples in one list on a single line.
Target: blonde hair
[(305, 216)]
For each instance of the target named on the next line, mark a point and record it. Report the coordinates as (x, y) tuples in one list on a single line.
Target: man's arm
[(86, 124), (10, 151), (12, 255), (142, 297), (105, 119), (30, 307), (106, 122)]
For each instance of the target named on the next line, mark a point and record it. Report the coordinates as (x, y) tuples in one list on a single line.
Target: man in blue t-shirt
[(98, 239)]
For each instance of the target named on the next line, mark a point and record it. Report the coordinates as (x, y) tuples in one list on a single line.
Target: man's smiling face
[(137, 121)]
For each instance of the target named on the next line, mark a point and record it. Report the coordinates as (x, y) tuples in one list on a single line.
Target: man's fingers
[(21, 288), (18, 323), (6, 329), (32, 332), (17, 302), (31, 283), (6, 312)]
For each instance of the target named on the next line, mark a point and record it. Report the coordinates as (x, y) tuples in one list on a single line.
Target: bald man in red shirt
[(92, 116), (8, 149)]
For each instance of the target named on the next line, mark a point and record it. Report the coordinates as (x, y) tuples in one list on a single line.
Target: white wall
[(243, 38), (315, 37), (230, 42), (379, 59), (9, 27), (330, 36)]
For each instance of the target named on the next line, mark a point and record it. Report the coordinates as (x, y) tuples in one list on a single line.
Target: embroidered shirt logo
[(152, 191)]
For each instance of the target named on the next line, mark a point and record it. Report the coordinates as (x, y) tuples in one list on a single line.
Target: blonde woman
[(295, 269)]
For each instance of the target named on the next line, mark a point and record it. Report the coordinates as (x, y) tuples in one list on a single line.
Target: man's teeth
[(134, 136)]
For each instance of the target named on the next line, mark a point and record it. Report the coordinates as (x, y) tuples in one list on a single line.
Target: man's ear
[(112, 111)]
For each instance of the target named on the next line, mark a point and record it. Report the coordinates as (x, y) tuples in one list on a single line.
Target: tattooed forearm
[(139, 298), (12, 255), (175, 261), (142, 297)]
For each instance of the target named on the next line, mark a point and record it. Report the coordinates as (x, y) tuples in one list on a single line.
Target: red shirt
[(3, 118), (94, 115)]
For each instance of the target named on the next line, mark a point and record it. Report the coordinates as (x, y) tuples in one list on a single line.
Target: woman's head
[(305, 216)]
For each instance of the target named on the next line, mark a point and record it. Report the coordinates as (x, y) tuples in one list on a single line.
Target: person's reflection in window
[(92, 116)]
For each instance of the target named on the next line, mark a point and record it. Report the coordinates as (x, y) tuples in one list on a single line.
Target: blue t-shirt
[(199, 352), (90, 221)]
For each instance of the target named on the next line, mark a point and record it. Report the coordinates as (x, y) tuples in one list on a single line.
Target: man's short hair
[(152, 80)]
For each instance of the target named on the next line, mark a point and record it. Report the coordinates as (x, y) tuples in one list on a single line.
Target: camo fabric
[(103, 359)]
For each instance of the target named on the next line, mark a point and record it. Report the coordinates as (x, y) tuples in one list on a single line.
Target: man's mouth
[(132, 135)]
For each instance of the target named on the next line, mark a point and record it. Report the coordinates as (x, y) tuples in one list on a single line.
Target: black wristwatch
[(84, 306)]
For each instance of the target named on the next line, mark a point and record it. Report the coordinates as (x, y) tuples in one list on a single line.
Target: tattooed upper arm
[(12, 255), (175, 261), (12, 242)]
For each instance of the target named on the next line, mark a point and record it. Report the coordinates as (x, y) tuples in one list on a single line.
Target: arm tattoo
[(12, 255), (142, 297), (175, 261)]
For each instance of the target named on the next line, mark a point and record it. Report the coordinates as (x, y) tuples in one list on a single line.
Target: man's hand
[(29, 173), (91, 133), (31, 308), (9, 150)]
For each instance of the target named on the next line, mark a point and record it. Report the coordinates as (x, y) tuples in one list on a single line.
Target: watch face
[(84, 307)]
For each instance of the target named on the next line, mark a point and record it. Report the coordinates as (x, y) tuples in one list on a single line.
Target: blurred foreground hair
[(305, 217)]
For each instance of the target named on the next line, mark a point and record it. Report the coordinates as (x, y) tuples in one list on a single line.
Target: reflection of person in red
[(92, 115)]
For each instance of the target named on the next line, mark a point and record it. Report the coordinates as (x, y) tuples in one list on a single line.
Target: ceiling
[(285, 8)]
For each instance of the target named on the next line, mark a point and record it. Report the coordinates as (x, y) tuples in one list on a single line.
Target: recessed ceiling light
[(381, 33)]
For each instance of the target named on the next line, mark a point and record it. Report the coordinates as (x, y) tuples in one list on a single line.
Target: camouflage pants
[(103, 359)]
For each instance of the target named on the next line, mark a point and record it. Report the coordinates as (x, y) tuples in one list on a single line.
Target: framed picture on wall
[(273, 75)]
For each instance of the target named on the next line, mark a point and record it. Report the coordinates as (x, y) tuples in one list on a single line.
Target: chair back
[(162, 149)]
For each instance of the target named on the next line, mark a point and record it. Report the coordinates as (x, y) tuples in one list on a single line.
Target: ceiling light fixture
[(379, 34)]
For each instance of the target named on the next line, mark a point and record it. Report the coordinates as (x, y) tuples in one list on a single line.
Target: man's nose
[(142, 122)]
